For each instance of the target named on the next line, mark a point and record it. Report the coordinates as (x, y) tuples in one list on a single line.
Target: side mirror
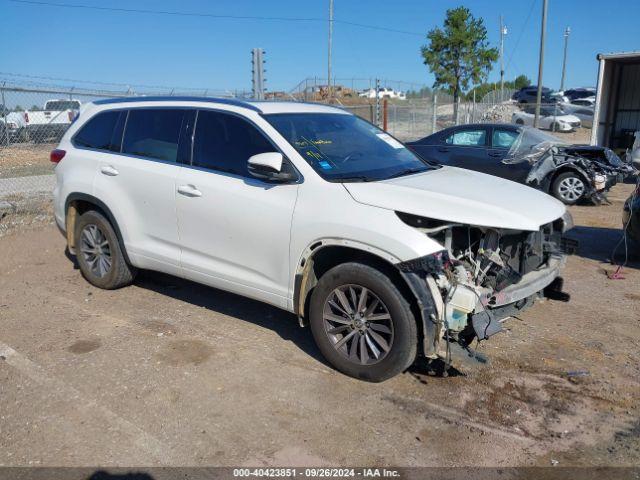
[(270, 167)]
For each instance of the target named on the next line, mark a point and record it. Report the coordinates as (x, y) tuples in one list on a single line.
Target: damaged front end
[(483, 276), (547, 155)]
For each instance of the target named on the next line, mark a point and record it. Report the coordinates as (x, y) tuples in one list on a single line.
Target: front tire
[(569, 188), (99, 255), (362, 324)]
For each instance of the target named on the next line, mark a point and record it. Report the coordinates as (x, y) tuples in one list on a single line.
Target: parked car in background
[(524, 155), (633, 154), (584, 102), (574, 94), (631, 217), (584, 113), (50, 123), (529, 95), (311, 209), (551, 118)]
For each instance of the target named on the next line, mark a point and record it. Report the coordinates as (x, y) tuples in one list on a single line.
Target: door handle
[(495, 154), (189, 191), (443, 149), (109, 170)]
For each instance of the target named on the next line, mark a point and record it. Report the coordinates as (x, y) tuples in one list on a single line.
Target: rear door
[(138, 184)]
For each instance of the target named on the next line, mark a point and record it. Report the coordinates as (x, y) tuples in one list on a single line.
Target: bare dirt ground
[(168, 372), (25, 159)]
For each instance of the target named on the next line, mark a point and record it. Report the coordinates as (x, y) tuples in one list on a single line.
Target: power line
[(95, 82), (209, 15), (526, 23)]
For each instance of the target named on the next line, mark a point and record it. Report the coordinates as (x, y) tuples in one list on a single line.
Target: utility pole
[(330, 40), (543, 34), (503, 32), (567, 32), (257, 73)]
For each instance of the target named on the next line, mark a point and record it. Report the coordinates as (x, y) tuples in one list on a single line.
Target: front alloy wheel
[(358, 324), (362, 323), (569, 188)]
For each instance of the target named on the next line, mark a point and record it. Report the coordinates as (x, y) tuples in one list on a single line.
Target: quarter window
[(153, 133), (225, 142), (468, 138), (102, 132)]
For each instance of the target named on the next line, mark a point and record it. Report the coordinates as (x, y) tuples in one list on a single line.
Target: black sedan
[(522, 154)]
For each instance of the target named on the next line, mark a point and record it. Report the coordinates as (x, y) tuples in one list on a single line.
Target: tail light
[(26, 117), (57, 155)]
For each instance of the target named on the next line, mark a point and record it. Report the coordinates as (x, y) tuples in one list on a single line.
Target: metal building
[(617, 112)]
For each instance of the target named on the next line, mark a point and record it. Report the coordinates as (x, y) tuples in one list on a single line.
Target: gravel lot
[(167, 372)]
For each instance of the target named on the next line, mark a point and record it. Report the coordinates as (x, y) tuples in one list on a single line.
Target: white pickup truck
[(50, 123)]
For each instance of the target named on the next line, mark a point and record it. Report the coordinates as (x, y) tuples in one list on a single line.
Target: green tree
[(459, 53), (18, 108), (521, 81)]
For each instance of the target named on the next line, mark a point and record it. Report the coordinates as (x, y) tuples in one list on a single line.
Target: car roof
[(256, 106), (485, 125)]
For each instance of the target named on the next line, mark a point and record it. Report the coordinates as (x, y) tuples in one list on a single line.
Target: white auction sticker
[(390, 140)]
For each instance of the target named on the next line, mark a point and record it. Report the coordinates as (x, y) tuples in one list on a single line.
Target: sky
[(205, 52)]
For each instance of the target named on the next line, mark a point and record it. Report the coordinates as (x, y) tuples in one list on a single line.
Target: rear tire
[(99, 255), (349, 340)]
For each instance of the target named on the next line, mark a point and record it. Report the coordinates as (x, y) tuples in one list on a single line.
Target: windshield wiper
[(408, 171), (354, 178)]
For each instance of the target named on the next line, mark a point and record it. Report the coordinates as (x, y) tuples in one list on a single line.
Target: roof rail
[(166, 98)]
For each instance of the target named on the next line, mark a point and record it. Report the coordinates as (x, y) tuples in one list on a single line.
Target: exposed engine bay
[(484, 275)]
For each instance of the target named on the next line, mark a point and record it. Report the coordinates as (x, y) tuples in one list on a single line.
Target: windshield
[(530, 145), (345, 148), (62, 105)]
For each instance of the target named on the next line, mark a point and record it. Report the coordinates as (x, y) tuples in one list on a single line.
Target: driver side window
[(503, 138), (224, 142)]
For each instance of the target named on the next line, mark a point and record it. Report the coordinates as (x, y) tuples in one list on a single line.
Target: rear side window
[(102, 132), (225, 142), (467, 138), (153, 133)]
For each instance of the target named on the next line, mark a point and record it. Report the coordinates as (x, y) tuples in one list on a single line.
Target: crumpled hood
[(462, 196)]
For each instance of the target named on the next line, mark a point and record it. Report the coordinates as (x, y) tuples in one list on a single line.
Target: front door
[(234, 229), (502, 138)]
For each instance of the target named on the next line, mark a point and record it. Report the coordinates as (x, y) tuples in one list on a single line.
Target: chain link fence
[(33, 118)]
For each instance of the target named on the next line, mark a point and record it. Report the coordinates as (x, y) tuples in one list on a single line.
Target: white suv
[(386, 255)]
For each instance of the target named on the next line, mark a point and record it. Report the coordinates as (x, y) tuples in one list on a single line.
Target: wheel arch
[(75, 205), (321, 256), (566, 169)]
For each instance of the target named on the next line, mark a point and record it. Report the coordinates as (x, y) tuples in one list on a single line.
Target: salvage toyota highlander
[(306, 207)]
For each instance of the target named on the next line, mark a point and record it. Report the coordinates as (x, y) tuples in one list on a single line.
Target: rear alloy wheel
[(362, 324), (99, 254), (569, 188)]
